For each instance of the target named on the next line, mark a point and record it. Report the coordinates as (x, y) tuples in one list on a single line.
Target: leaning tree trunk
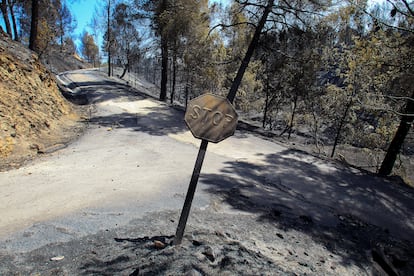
[(249, 53), (126, 69), (398, 140)]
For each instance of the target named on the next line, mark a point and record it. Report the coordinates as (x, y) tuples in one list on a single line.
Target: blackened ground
[(218, 243)]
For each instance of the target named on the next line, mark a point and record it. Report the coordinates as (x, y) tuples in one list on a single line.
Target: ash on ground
[(223, 244)]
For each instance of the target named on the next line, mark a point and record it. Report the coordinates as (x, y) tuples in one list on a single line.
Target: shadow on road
[(97, 92), (347, 211), (156, 121)]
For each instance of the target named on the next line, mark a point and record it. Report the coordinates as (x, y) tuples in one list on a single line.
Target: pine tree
[(89, 48)]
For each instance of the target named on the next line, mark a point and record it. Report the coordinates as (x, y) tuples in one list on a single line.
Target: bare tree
[(3, 7), (109, 36), (65, 23), (11, 8)]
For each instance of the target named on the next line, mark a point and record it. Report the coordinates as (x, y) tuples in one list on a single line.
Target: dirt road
[(137, 156)]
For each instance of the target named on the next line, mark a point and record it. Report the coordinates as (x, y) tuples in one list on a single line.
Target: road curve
[(137, 156)]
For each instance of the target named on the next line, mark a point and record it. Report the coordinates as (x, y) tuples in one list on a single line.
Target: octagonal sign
[(211, 118)]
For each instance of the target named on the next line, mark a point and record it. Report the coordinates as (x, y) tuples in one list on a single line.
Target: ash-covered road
[(137, 156)]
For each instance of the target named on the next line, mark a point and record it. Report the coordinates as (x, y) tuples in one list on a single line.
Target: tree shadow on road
[(157, 121), (92, 92), (348, 211)]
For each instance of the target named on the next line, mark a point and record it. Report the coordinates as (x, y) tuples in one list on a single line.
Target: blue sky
[(83, 11)]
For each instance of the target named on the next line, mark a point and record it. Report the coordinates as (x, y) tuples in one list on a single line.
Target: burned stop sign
[(211, 118)]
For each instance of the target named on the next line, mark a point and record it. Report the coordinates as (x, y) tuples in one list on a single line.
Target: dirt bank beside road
[(34, 117)]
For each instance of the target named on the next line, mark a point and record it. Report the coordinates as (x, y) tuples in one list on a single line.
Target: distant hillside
[(34, 116), (57, 62)]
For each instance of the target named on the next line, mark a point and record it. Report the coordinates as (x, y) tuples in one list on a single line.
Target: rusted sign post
[(213, 118), (210, 118), (190, 193)]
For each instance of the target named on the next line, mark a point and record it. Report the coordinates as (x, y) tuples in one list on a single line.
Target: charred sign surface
[(211, 118)]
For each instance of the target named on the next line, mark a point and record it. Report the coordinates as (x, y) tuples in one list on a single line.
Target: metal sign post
[(210, 118), (190, 193), (213, 119)]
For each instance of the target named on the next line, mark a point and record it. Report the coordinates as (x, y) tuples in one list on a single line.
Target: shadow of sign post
[(212, 118)]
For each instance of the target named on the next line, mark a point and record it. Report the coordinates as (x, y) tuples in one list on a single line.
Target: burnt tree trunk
[(16, 33), (316, 125), (341, 125), (164, 68), (3, 7), (174, 76), (266, 106), (250, 50), (126, 68), (292, 118), (289, 126), (187, 88), (108, 42), (399, 137), (34, 26)]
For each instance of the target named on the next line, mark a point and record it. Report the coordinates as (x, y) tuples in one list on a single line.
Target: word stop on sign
[(211, 118)]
